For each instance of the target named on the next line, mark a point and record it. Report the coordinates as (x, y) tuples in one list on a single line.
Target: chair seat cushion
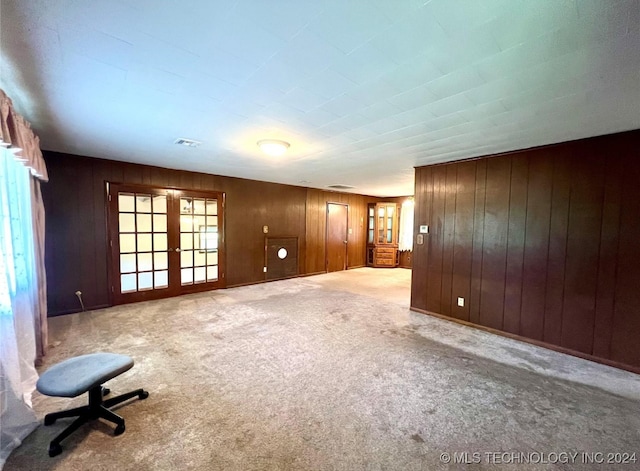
[(78, 375)]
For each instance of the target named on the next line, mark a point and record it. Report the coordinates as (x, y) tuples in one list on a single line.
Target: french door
[(164, 242)]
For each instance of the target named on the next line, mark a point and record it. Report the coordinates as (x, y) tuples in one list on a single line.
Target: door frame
[(326, 237), (173, 237)]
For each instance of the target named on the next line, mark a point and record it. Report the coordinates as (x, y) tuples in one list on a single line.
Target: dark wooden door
[(337, 227), (164, 242)]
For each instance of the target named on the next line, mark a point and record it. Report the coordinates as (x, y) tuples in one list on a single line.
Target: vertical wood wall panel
[(605, 297), (449, 229), (158, 177), (313, 233), (85, 259), (625, 346), (175, 179), (583, 245), (146, 176), (477, 241), (101, 297), (66, 253), (515, 243), (494, 247), (435, 240), (558, 230), (546, 244), (463, 238), (133, 174), (536, 248)]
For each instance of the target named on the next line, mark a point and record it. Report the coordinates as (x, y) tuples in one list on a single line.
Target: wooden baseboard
[(538, 343), (75, 311)]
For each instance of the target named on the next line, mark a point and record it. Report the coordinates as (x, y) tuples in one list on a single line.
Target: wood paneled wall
[(542, 243), (316, 226), (76, 240)]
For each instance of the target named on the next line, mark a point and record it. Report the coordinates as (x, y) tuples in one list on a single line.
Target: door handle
[(345, 241), (178, 249)]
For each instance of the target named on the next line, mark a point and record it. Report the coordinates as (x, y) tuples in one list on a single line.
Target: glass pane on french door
[(199, 240), (143, 242)]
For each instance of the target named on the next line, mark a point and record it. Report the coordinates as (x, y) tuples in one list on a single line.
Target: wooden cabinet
[(382, 235)]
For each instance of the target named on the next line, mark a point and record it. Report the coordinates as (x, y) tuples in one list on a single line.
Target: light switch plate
[(424, 229)]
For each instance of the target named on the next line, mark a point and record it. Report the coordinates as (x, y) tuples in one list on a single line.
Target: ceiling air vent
[(341, 187), (187, 142)]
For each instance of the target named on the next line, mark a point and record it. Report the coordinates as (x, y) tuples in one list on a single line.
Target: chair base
[(96, 409)]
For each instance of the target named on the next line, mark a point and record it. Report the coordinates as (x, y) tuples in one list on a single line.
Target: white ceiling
[(364, 90)]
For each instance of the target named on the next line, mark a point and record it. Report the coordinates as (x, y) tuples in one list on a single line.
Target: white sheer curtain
[(16, 135), (405, 241), (23, 298), (18, 304)]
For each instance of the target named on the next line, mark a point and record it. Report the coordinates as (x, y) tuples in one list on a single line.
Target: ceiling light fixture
[(273, 147)]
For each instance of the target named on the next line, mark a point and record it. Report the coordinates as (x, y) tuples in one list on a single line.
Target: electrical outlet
[(265, 229), (461, 302)]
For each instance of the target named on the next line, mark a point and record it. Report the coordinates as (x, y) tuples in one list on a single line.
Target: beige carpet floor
[(331, 372)]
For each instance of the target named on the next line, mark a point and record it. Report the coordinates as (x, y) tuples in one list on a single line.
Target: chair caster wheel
[(143, 395), (105, 391), (49, 420), (119, 430), (54, 449)]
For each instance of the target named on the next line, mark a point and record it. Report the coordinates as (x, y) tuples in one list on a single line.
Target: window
[(208, 238), (16, 233)]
